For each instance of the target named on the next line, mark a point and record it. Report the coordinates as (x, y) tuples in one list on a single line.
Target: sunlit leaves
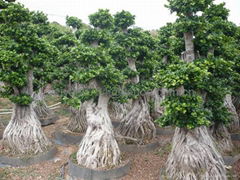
[(185, 112), (182, 73)]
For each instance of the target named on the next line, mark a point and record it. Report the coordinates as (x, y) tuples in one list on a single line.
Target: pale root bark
[(132, 66), (23, 134), (40, 107), (222, 138), (138, 122), (231, 108), (118, 111), (158, 97), (157, 110), (194, 157), (78, 119), (236, 102), (98, 148), (189, 54)]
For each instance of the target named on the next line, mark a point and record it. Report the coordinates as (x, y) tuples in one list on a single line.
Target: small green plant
[(73, 157)]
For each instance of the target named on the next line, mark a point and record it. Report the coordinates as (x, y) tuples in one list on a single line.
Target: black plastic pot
[(78, 172), (26, 161), (62, 138)]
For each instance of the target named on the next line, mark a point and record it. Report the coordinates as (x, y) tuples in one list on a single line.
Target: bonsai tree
[(141, 60), (215, 42), (235, 91), (170, 45), (21, 51), (43, 74), (119, 110), (193, 154), (74, 22), (64, 85), (98, 148), (76, 25), (78, 122)]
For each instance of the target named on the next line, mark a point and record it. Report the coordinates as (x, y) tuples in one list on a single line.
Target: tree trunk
[(44, 114), (118, 111), (158, 97), (98, 148), (189, 55), (132, 66), (138, 122), (231, 108), (157, 110), (236, 103), (222, 138), (78, 119), (194, 157), (23, 134)]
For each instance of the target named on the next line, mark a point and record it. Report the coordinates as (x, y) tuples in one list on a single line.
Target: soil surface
[(144, 166)]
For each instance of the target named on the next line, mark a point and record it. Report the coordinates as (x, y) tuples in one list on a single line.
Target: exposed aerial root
[(194, 157), (98, 148), (23, 134), (222, 138), (78, 119), (138, 122)]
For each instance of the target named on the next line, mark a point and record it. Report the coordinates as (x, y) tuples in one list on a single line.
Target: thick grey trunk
[(118, 111), (78, 119), (40, 107), (157, 110), (194, 156), (231, 108), (236, 102), (165, 60), (180, 91), (23, 134), (98, 148), (189, 47), (222, 138), (132, 66), (158, 99), (138, 122), (211, 52)]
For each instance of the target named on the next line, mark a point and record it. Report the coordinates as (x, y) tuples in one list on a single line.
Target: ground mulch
[(144, 166)]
